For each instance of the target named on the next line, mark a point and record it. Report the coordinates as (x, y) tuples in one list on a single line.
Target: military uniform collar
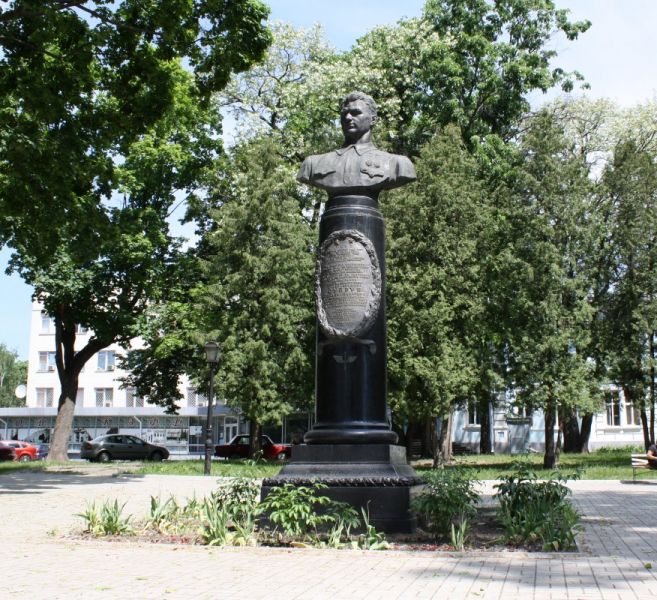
[(359, 148)]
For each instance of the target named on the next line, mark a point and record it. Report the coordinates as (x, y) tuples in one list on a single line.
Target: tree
[(552, 314), (100, 126), (257, 298), (629, 308), (434, 300), (13, 372), (464, 62)]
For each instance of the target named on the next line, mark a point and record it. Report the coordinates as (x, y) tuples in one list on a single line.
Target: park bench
[(639, 463)]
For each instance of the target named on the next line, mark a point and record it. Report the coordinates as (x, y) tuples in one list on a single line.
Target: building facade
[(104, 404)]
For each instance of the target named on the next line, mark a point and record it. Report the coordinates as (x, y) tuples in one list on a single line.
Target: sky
[(616, 56)]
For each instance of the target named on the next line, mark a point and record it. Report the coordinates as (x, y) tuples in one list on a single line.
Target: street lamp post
[(212, 358)]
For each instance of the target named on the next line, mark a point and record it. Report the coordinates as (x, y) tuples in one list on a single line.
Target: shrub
[(537, 512), (448, 496), (300, 512)]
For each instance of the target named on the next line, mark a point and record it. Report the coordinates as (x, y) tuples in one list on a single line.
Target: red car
[(238, 447), (7, 452), (23, 451)]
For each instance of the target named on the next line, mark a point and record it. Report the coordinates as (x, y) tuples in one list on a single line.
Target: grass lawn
[(236, 468), (603, 464), (220, 468)]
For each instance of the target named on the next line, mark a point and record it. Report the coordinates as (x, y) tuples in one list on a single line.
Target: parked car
[(121, 447), (7, 452), (23, 451), (238, 447)]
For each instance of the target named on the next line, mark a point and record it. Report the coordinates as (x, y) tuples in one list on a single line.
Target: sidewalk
[(37, 509)]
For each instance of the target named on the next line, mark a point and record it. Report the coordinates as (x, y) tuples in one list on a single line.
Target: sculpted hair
[(368, 100)]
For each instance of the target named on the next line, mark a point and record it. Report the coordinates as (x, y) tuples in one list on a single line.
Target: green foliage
[(436, 295), (538, 512), (459, 534), (162, 515), (548, 211), (214, 529), (13, 372), (257, 296), (101, 124), (299, 511), (465, 62), (448, 494), (371, 539), (106, 519), (239, 496), (294, 509)]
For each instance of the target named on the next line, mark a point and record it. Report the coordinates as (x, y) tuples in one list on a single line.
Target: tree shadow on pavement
[(36, 482)]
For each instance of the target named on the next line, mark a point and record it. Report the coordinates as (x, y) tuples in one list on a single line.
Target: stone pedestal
[(350, 447), (351, 325), (375, 477)]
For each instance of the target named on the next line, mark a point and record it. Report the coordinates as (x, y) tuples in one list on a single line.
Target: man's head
[(358, 115)]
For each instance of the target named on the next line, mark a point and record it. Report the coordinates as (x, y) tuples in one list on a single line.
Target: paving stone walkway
[(38, 562)]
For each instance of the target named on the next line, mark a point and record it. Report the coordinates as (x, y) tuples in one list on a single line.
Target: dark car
[(119, 446), (7, 452), (238, 447)]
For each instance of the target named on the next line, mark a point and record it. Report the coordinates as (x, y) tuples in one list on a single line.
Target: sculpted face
[(356, 120)]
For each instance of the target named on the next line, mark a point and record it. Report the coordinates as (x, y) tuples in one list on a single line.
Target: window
[(47, 361), (47, 323), (632, 415), (196, 398), (104, 397), (106, 360), (80, 330), (473, 414), (132, 399), (44, 397), (613, 408)]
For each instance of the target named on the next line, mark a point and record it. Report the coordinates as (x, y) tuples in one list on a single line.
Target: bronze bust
[(358, 167)]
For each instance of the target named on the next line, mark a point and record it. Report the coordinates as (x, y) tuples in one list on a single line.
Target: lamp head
[(212, 351)]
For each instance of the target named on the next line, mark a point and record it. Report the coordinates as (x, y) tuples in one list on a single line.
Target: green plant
[(459, 534), (537, 512), (448, 493), (214, 524), (300, 512), (163, 515), (108, 519), (371, 539), (343, 518), (239, 495)]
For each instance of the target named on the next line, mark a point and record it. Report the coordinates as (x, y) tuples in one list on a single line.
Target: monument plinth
[(351, 445)]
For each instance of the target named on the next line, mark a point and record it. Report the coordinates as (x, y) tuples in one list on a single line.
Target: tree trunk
[(435, 444), (446, 437), (550, 458), (585, 433), (644, 426), (69, 364), (570, 428), (427, 437), (64, 421), (485, 445), (255, 441), (653, 390)]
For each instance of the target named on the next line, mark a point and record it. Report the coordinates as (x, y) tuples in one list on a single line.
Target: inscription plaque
[(348, 285)]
